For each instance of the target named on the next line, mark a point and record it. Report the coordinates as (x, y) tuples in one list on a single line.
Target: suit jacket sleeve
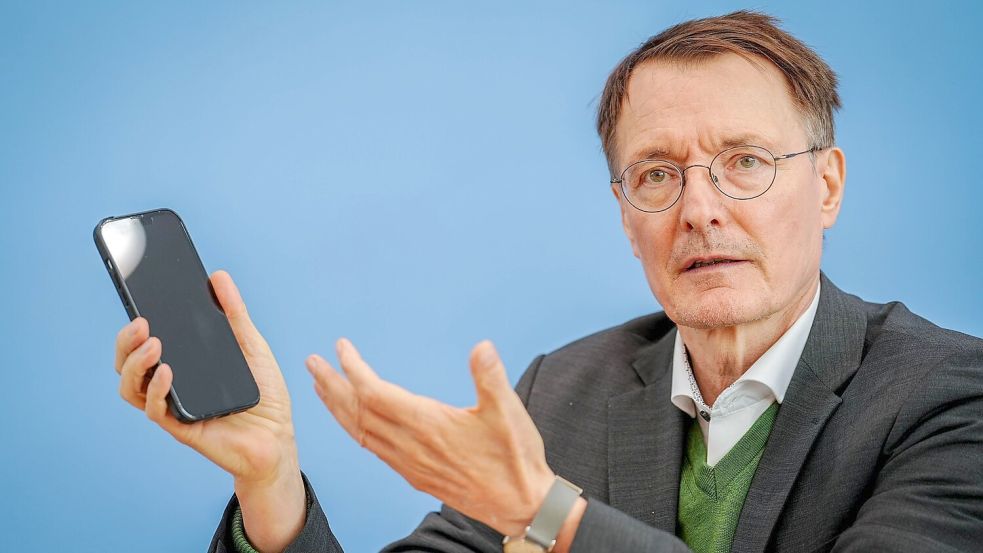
[(316, 536)]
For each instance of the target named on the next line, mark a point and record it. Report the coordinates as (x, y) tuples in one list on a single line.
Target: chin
[(716, 308)]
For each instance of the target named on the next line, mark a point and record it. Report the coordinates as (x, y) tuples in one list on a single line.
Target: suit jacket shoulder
[(596, 366)]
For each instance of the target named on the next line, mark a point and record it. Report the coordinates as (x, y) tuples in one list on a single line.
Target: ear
[(833, 173), (616, 189)]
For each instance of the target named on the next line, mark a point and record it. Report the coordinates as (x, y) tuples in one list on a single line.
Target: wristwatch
[(540, 535)]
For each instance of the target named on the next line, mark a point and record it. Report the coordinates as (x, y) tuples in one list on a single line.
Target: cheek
[(653, 241), (791, 232)]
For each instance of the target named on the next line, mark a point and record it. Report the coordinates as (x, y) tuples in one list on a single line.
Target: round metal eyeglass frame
[(713, 178)]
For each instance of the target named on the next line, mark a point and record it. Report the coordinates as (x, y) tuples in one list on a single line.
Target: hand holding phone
[(159, 276), (255, 446)]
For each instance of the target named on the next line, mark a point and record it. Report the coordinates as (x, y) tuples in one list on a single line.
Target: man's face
[(773, 242)]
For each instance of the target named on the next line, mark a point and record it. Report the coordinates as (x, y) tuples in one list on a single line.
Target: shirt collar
[(773, 369), (682, 394)]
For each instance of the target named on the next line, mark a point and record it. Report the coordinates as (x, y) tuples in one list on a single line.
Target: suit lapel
[(645, 441), (807, 406), (830, 358)]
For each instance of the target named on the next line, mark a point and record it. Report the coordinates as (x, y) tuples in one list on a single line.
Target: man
[(763, 410)]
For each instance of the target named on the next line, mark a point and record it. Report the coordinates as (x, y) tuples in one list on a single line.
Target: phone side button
[(122, 297)]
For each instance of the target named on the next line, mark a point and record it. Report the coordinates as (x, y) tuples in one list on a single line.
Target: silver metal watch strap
[(554, 511)]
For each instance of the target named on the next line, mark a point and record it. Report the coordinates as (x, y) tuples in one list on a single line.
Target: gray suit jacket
[(878, 445)]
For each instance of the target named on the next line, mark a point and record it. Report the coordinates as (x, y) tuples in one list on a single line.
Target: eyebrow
[(663, 152), (654, 152), (744, 139)]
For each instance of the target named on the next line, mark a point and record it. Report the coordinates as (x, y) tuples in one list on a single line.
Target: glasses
[(741, 173)]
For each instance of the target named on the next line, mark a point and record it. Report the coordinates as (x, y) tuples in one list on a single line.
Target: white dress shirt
[(749, 396)]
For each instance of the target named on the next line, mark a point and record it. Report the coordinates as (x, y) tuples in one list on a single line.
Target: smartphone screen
[(160, 277)]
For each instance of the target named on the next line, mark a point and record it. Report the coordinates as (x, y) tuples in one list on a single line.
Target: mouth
[(711, 263)]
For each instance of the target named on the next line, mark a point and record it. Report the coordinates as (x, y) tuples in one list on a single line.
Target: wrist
[(531, 503), (274, 510), (569, 530), (554, 524)]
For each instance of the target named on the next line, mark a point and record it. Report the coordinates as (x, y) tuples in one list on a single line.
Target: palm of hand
[(250, 445)]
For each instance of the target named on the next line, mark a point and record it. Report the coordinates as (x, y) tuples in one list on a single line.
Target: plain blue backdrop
[(416, 176)]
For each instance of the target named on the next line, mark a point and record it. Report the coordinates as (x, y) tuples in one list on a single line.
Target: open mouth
[(712, 262)]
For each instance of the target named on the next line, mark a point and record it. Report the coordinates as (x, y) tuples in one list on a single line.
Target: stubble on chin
[(715, 310)]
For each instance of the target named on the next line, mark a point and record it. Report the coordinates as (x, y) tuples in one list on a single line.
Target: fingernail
[(487, 354), (311, 364)]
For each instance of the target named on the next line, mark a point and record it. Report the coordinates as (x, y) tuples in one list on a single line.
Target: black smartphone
[(160, 277)]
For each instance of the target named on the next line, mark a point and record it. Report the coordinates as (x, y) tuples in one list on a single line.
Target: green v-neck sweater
[(710, 498)]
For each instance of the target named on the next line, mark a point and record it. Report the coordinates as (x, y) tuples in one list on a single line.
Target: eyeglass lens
[(743, 172)]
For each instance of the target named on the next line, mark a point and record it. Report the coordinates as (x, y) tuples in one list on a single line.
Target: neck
[(719, 356)]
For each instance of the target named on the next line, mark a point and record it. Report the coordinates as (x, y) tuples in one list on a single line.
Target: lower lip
[(715, 267)]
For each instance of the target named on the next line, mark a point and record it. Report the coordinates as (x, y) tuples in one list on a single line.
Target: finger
[(347, 418), (134, 371), (336, 393), (249, 338), (379, 407), (358, 371), (157, 409), (327, 377), (357, 422), (341, 398), (375, 394), (157, 392), (490, 381), (129, 338)]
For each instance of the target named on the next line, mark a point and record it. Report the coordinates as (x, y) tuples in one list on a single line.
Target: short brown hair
[(811, 83)]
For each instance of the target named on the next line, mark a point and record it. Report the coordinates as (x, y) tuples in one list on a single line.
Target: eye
[(656, 176), (652, 176), (747, 162)]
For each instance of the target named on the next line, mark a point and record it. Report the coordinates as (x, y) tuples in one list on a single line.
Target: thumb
[(250, 340), (488, 372)]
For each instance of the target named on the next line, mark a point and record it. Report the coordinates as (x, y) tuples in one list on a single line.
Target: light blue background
[(414, 175)]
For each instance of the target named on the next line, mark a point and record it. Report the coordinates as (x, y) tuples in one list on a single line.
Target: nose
[(702, 205)]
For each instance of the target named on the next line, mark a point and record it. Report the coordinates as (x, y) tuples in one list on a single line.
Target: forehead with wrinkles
[(674, 108)]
